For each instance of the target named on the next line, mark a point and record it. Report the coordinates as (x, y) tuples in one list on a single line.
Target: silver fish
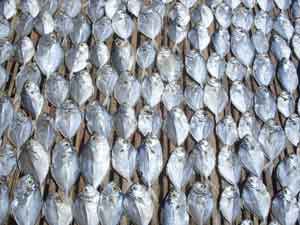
[(98, 120), (223, 15), (250, 4), (263, 70), (76, 58), (149, 121), (99, 54), (110, 209), (81, 87), (287, 75), (179, 168), (138, 205), (25, 50), (111, 7), (199, 37), (8, 161), (193, 96), (233, 4), (215, 96), (135, 6), (57, 89), (283, 4), (123, 158), (34, 159), (68, 119), (265, 5), (127, 89), (159, 6), (149, 160), (6, 114), (49, 5), (122, 56), (176, 126), (260, 42), (44, 23), (57, 211), (32, 101), (106, 79), (280, 48), (221, 42), (8, 8), (65, 165), (49, 54), (230, 203), (272, 139), (176, 32), (122, 24), (175, 209), (95, 160), (241, 97), (45, 132), (102, 29), (263, 22), (203, 158), (292, 128), (248, 125), (95, 9), (169, 65), (226, 130), (28, 72), (145, 55), (7, 51), (71, 8), (242, 47), (27, 201), (81, 30), (152, 88), (256, 197), (31, 7), (172, 96), (229, 165), (242, 18), (296, 45), (252, 155), (85, 207), (287, 173), (285, 208), (64, 24), (125, 121), (195, 67), (295, 10), (264, 104), (179, 14), (202, 14), (201, 125), (4, 203), (216, 66), (200, 203), (24, 24), (248, 222), (235, 71), (5, 28), (283, 26), (149, 22)]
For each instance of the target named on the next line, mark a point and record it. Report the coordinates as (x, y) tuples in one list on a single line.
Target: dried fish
[(25, 50), (226, 130), (106, 79), (286, 104), (221, 42), (230, 203), (95, 9), (81, 30), (152, 88), (235, 71), (241, 97), (201, 125), (263, 70), (99, 54), (71, 8), (77, 57), (195, 67), (193, 96), (4, 203), (57, 89), (149, 121), (248, 125), (264, 104), (242, 18), (7, 51), (199, 37), (263, 22), (122, 55), (172, 96), (8, 163), (6, 114), (31, 7), (125, 121), (102, 29), (149, 22), (287, 75), (216, 66), (201, 14), (64, 24), (44, 23), (292, 128), (28, 72), (45, 133), (223, 15), (145, 55), (280, 48), (122, 24), (8, 8), (283, 26)]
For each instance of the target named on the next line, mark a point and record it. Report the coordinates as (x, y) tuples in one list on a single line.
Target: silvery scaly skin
[(263, 70), (138, 205), (280, 48), (296, 45), (57, 89), (260, 42), (226, 130), (193, 96), (200, 203), (65, 165), (179, 14), (176, 32), (28, 72), (68, 119), (152, 88), (110, 209), (221, 42), (6, 114), (6, 51), (135, 6), (175, 210), (44, 23), (102, 29), (57, 211), (95, 9), (8, 8), (125, 121), (5, 28), (229, 165), (285, 208), (256, 197), (242, 18), (216, 66), (235, 70), (201, 125), (95, 158), (149, 121), (264, 104), (71, 8), (283, 26), (4, 203), (223, 14), (179, 168), (292, 129), (63, 24), (32, 100), (149, 22), (172, 95), (149, 160), (100, 54), (124, 158), (27, 201), (263, 22), (202, 14), (241, 96), (34, 159), (199, 37), (81, 31), (8, 160), (85, 207), (145, 55), (287, 75), (286, 104), (252, 155), (230, 203), (31, 7), (248, 125), (122, 24), (76, 58), (176, 126), (106, 79), (203, 158), (25, 50)]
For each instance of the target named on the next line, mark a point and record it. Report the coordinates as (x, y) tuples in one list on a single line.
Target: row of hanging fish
[(252, 40)]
